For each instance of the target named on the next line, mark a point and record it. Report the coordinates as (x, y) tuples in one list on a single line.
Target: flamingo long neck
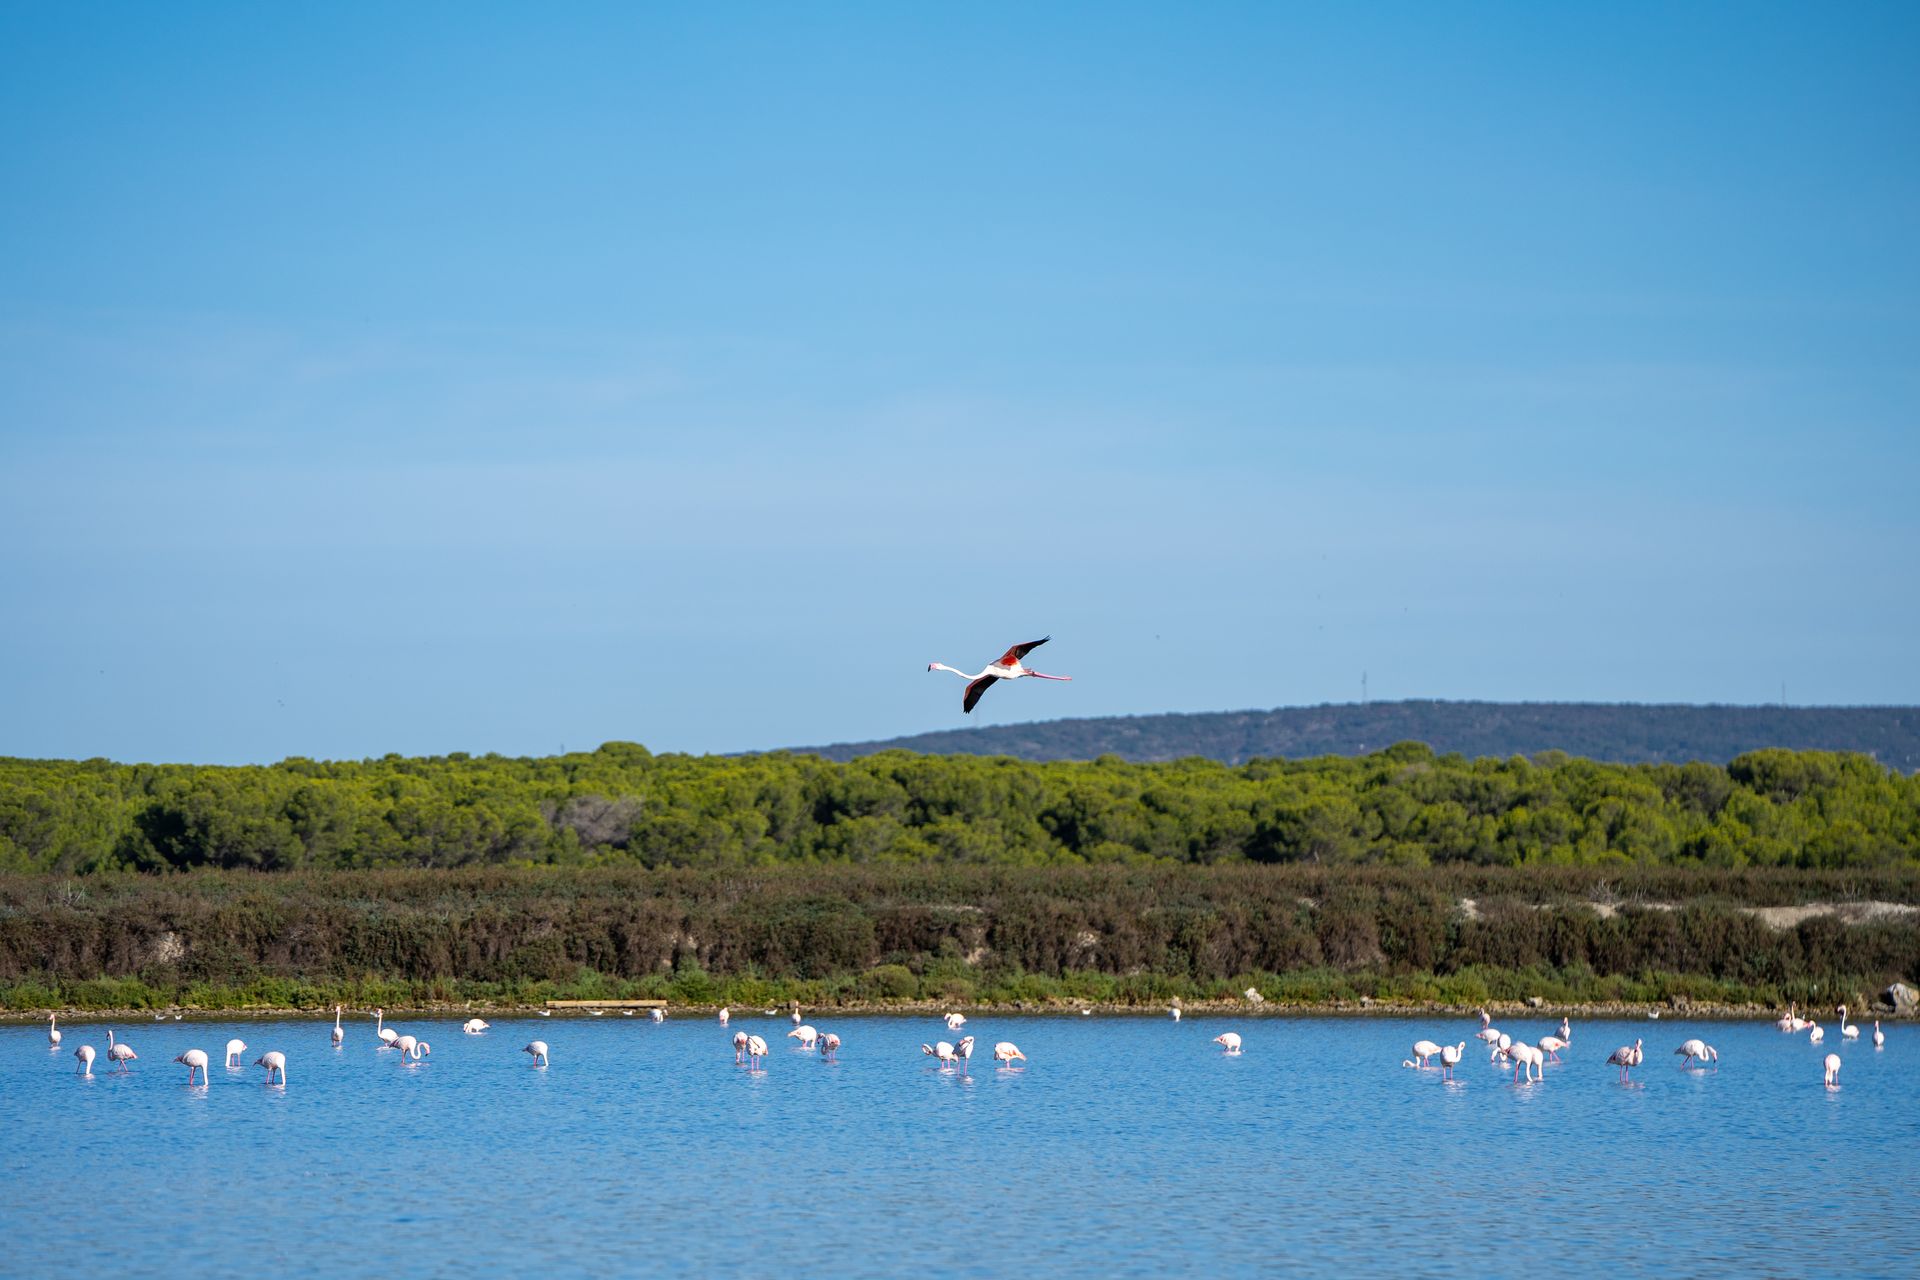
[(941, 666)]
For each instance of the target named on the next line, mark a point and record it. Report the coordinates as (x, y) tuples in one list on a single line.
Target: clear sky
[(496, 377)]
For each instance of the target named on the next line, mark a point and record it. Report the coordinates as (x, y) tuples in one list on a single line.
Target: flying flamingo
[(120, 1052), (1450, 1056), (474, 1026), (964, 1051), (1228, 1040), (1833, 1071), (234, 1049), (1007, 668), (85, 1054), (1879, 1036), (386, 1033), (539, 1051), (1626, 1057), (805, 1035), (1697, 1051), (756, 1051), (195, 1060), (1847, 1030), (739, 1047), (1006, 1051), (53, 1031), (941, 1051), (273, 1060), (1551, 1046), (1423, 1050), (829, 1047), (339, 1033)]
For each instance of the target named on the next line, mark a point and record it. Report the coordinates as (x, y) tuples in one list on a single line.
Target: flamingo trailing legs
[(1008, 667)]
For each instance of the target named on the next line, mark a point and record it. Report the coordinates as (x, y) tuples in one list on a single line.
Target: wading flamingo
[(1423, 1050), (658, 1015), (386, 1034), (1006, 1051), (964, 1051), (941, 1051), (1228, 1040), (1847, 1030), (1817, 1034), (234, 1049), (120, 1051), (1566, 1032), (726, 1015), (539, 1051), (195, 1060), (1551, 1046), (805, 1035), (1528, 1059), (1487, 1035), (273, 1060), (756, 1051), (474, 1026), (406, 1045), (1627, 1057), (1486, 1019), (1501, 1044), (419, 1050), (1175, 1011), (795, 1018), (955, 1021), (829, 1046), (1879, 1036), (339, 1032), (1008, 667), (1450, 1056), (1833, 1071), (1697, 1051), (739, 1047), (1786, 1021), (53, 1031), (85, 1054)]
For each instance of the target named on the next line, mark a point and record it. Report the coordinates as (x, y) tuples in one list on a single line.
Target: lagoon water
[(1125, 1146)]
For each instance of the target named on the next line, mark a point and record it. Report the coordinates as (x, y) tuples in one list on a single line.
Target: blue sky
[(474, 378)]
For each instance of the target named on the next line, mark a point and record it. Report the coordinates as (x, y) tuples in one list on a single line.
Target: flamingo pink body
[(1228, 1040), (234, 1049), (739, 1046), (1009, 667), (195, 1060), (474, 1026), (539, 1051), (1450, 1056), (805, 1035), (829, 1045), (120, 1051), (53, 1031), (1626, 1057), (1423, 1050), (756, 1051), (1833, 1071), (274, 1061), (339, 1032), (85, 1054), (1551, 1046), (941, 1051), (1696, 1051), (1007, 1051)]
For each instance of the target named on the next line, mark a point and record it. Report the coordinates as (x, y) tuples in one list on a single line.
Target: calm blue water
[(1127, 1146)]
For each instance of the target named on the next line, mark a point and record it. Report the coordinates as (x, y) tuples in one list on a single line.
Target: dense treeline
[(1625, 732), (1403, 806), (1123, 934)]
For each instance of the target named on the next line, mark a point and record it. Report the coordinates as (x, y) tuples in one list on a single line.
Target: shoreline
[(1695, 1011)]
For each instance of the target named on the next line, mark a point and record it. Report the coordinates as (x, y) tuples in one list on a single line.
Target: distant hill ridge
[(1625, 732)]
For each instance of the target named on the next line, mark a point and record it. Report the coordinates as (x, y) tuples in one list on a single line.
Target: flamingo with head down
[(539, 1051), (1551, 1046), (1228, 1040), (1450, 1056), (1423, 1050), (1833, 1071), (234, 1049), (756, 1051), (1006, 1052), (739, 1047), (275, 1062), (85, 1054), (195, 1060), (941, 1051), (1692, 1051), (829, 1047), (1008, 667)]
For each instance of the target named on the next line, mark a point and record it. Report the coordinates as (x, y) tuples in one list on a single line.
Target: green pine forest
[(1398, 876)]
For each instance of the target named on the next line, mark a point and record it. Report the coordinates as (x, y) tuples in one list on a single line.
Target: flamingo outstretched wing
[(974, 690), (1020, 651)]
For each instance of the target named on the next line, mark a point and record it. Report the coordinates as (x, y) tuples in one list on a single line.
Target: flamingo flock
[(1528, 1061)]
